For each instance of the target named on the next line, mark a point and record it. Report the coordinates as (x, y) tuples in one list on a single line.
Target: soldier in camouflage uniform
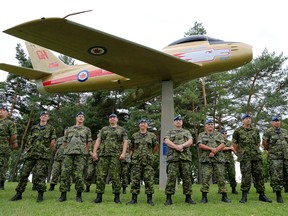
[(91, 170), (38, 151), (77, 142), (229, 161), (179, 160), (112, 142), (246, 142), (211, 144), (275, 141), (8, 141), (125, 170), (58, 159), (143, 145)]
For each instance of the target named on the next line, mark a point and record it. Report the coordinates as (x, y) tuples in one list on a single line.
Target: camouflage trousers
[(207, 171), (139, 172), (40, 173), (125, 174), (230, 174), (72, 165), (278, 173), (91, 172), (56, 172), (4, 158), (104, 164), (252, 168), (184, 170)]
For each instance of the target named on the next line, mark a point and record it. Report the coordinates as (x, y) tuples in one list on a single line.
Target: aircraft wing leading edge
[(103, 50)]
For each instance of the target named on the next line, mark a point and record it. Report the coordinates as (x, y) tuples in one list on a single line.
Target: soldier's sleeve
[(124, 135), (53, 134), (235, 136), (155, 141), (200, 139), (188, 135), (266, 136), (167, 135), (89, 135), (99, 135), (12, 129)]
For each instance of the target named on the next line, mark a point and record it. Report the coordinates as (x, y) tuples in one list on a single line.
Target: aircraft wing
[(103, 50), (24, 72)]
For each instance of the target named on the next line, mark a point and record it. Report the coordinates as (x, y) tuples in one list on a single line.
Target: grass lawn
[(50, 205)]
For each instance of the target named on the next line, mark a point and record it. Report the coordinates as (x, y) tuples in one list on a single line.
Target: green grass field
[(50, 205)]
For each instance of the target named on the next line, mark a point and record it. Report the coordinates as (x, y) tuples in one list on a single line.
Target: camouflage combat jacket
[(38, 142), (7, 129), (111, 140), (59, 155), (228, 154), (277, 143), (212, 140), (143, 145), (127, 158), (247, 140), (178, 137), (77, 138)]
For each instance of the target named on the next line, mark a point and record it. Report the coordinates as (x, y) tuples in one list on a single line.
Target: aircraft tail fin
[(43, 59)]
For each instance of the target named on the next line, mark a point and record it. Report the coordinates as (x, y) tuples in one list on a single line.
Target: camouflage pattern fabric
[(91, 171), (212, 140), (125, 174), (207, 171), (111, 140), (277, 140), (229, 165), (178, 137), (104, 164), (58, 158), (7, 129), (142, 161), (249, 156)]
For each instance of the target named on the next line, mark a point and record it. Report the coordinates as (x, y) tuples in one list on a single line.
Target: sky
[(157, 23)]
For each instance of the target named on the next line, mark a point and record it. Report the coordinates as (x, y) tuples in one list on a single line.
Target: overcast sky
[(157, 23)]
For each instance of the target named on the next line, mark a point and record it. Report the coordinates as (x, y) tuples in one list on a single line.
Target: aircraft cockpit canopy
[(196, 38)]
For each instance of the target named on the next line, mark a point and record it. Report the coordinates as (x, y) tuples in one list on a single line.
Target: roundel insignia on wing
[(97, 50), (82, 76)]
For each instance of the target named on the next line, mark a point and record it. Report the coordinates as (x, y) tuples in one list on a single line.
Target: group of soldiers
[(112, 150)]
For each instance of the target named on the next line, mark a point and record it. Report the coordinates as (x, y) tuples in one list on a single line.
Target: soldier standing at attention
[(143, 145), (246, 142), (179, 160), (77, 142), (39, 147), (58, 159), (8, 141), (229, 161), (211, 144), (275, 141), (112, 142)]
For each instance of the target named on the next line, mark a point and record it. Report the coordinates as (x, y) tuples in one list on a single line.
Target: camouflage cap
[(44, 113), (177, 117)]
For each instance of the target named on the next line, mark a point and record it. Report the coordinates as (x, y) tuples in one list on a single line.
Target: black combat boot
[(225, 198), (87, 188), (168, 199), (79, 197), (40, 196), (189, 200), (234, 191), (244, 197), (34, 187), (117, 198), (2, 185), (149, 199), (98, 198), (133, 200), (52, 187), (204, 197), (263, 198), (18, 196), (62, 198), (279, 197), (124, 190)]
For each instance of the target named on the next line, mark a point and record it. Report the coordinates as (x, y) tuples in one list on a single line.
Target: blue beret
[(143, 121), (275, 118), (2, 106), (44, 113), (80, 113), (113, 115), (223, 130), (208, 121), (246, 115), (178, 117)]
